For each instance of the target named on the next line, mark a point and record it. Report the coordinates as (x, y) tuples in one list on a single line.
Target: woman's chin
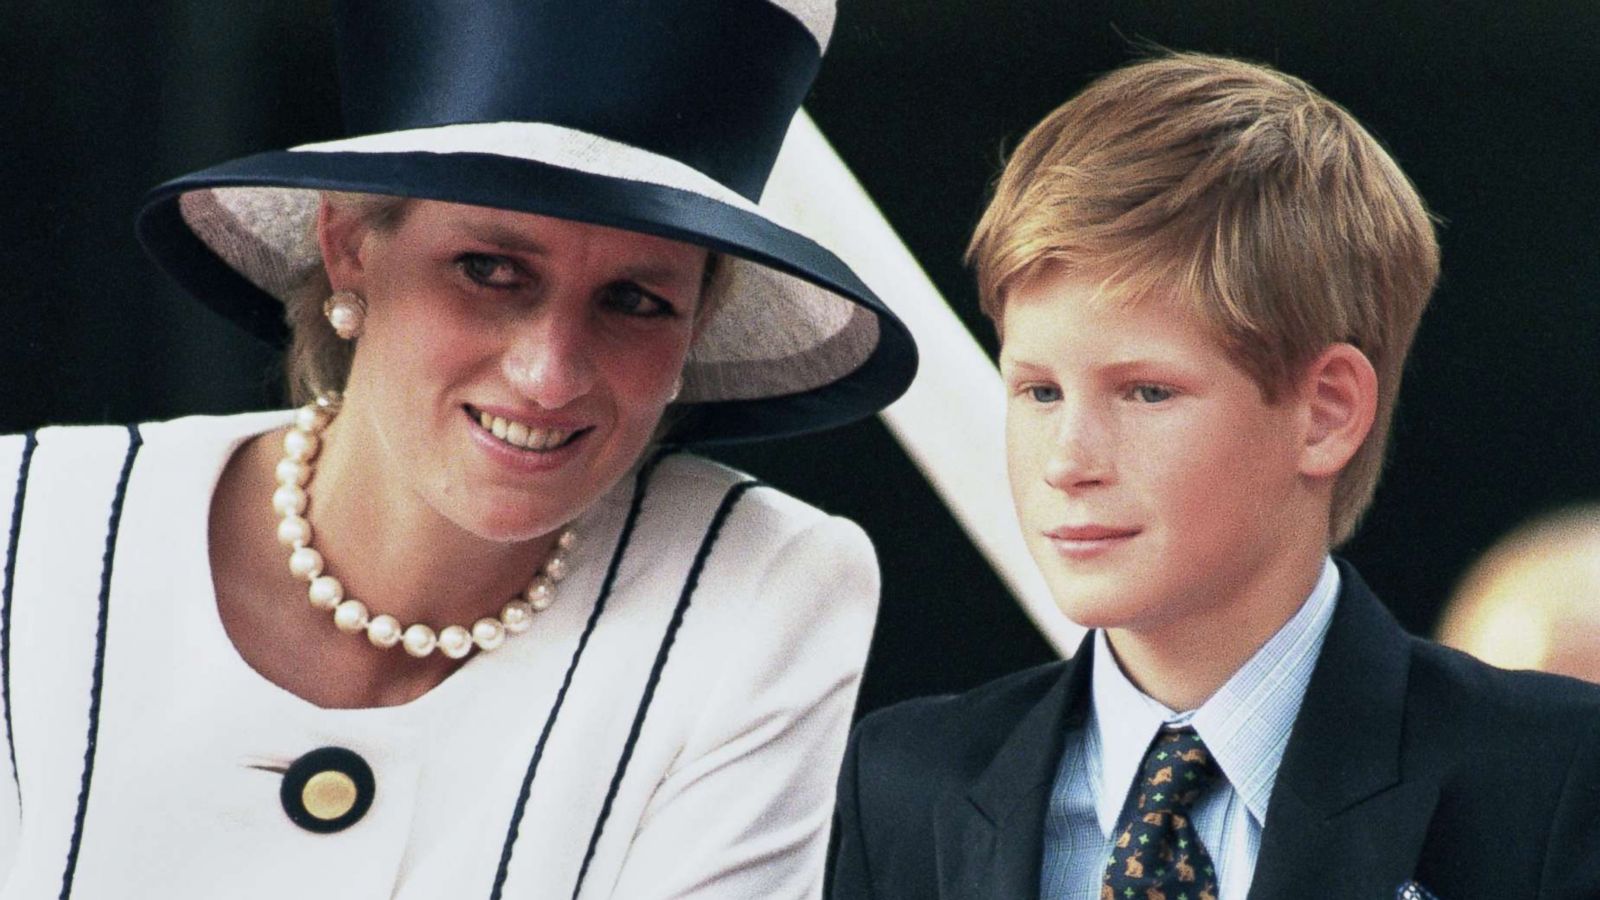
[(504, 529)]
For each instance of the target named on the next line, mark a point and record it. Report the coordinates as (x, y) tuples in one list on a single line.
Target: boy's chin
[(1100, 608)]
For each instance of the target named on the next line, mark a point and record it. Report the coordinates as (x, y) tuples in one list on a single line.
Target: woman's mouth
[(522, 435)]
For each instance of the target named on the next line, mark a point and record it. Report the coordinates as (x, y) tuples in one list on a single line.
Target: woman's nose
[(550, 359)]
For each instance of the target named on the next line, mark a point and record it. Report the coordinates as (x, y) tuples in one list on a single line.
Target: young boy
[(1206, 277)]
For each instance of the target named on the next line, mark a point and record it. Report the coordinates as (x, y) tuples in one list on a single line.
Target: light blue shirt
[(1245, 724)]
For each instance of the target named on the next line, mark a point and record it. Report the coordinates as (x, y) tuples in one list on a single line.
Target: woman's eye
[(1150, 393), (1043, 393), (630, 299), (488, 270)]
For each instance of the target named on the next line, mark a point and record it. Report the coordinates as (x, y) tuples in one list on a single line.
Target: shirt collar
[(1245, 723)]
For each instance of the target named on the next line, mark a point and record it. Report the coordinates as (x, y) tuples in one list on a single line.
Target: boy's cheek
[(1025, 459)]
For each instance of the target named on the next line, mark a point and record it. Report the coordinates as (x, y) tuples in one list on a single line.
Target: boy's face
[(1154, 485)]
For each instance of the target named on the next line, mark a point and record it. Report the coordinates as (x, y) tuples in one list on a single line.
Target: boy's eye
[(1150, 393), (1044, 393), (630, 299), (488, 270)]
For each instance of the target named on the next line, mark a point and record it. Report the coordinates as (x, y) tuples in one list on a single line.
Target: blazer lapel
[(989, 839), (1342, 822)]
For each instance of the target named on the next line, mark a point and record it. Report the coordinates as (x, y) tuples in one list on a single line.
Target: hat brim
[(751, 380)]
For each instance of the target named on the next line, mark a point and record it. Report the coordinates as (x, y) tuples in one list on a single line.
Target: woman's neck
[(389, 553)]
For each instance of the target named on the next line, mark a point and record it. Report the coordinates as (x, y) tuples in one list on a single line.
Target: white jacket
[(142, 741)]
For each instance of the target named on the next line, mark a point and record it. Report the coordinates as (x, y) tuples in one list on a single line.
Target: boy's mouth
[(1086, 542), (523, 436), (1088, 533)]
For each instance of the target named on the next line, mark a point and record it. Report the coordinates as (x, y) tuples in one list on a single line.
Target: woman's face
[(512, 366)]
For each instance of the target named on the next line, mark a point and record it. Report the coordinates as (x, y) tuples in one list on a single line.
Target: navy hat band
[(710, 83)]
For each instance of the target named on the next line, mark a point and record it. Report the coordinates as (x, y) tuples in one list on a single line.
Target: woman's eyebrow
[(516, 241), (654, 272), (503, 237)]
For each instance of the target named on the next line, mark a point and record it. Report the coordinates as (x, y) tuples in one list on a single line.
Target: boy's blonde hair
[(1241, 192)]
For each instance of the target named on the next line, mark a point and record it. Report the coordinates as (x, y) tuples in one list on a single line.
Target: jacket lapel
[(1341, 818), (989, 839)]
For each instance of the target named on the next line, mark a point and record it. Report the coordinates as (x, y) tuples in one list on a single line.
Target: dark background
[(1492, 107)]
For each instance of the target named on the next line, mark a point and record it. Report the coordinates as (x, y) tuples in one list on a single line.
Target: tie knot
[(1177, 767)]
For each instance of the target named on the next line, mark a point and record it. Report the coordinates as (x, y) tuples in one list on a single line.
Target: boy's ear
[(342, 236), (1339, 392)]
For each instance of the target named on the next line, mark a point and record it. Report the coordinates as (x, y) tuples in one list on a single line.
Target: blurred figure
[(1533, 600)]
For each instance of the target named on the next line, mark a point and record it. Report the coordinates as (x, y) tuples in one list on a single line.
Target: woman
[(455, 627)]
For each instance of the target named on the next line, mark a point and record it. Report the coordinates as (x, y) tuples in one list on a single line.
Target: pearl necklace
[(351, 616)]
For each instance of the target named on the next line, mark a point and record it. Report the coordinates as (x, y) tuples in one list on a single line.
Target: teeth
[(519, 435)]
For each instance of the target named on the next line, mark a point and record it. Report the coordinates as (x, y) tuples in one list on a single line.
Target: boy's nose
[(551, 360), (1078, 456)]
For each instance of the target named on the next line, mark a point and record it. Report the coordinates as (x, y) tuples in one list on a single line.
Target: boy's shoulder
[(955, 732), (1458, 695)]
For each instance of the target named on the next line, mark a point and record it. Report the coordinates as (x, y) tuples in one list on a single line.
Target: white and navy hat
[(658, 116)]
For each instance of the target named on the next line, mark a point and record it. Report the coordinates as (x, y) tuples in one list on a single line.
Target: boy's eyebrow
[(1011, 367), (1009, 364), (1133, 363)]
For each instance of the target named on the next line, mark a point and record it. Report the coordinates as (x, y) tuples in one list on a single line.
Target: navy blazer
[(1408, 761)]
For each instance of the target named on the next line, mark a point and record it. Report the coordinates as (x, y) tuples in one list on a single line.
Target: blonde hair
[(1241, 192), (318, 361)]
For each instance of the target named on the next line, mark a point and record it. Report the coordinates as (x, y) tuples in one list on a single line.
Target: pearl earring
[(677, 388), (347, 313)]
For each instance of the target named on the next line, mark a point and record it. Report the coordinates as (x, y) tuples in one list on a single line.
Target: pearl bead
[(294, 472), (310, 418), (556, 568), (383, 631), (305, 563), (488, 633), (346, 320), (540, 594), (419, 640), (517, 616), (455, 641), (300, 446), (567, 539), (289, 500), (350, 616), (325, 592), (294, 531)]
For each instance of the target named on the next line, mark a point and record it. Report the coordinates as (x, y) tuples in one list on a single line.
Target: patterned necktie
[(1157, 854)]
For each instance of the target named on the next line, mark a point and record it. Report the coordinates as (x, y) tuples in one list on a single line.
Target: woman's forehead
[(536, 234)]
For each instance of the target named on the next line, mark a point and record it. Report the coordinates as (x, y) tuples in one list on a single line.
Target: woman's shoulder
[(188, 431), (754, 512), (59, 457), (212, 432)]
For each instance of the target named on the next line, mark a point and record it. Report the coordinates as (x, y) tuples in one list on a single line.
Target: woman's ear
[(1339, 393), (342, 236)]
